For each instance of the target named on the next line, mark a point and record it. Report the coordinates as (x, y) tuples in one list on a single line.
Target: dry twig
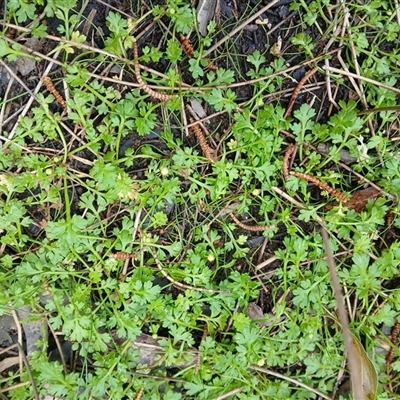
[(142, 85), (297, 91), (253, 228)]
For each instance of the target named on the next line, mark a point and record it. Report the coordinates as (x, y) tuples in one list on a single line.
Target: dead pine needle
[(322, 185), (354, 368), (296, 91), (253, 228), (143, 86), (50, 87), (208, 152)]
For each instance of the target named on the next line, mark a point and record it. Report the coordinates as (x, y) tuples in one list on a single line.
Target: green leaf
[(174, 51), (257, 59), (23, 9), (220, 102)]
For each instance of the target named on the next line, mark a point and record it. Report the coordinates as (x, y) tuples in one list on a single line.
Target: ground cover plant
[(164, 186)]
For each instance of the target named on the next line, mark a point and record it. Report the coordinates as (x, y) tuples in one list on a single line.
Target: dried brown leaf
[(205, 13), (367, 372)]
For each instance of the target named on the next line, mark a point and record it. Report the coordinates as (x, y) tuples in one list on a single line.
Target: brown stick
[(142, 85), (297, 91), (322, 185)]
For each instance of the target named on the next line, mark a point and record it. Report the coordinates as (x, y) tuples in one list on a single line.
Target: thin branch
[(229, 394), (29, 371), (19, 335)]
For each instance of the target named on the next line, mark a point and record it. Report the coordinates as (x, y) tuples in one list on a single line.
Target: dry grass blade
[(50, 87), (241, 26), (362, 78), (253, 228), (366, 370), (296, 91), (29, 371), (208, 152), (286, 378), (343, 318), (8, 363), (142, 85), (322, 185)]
